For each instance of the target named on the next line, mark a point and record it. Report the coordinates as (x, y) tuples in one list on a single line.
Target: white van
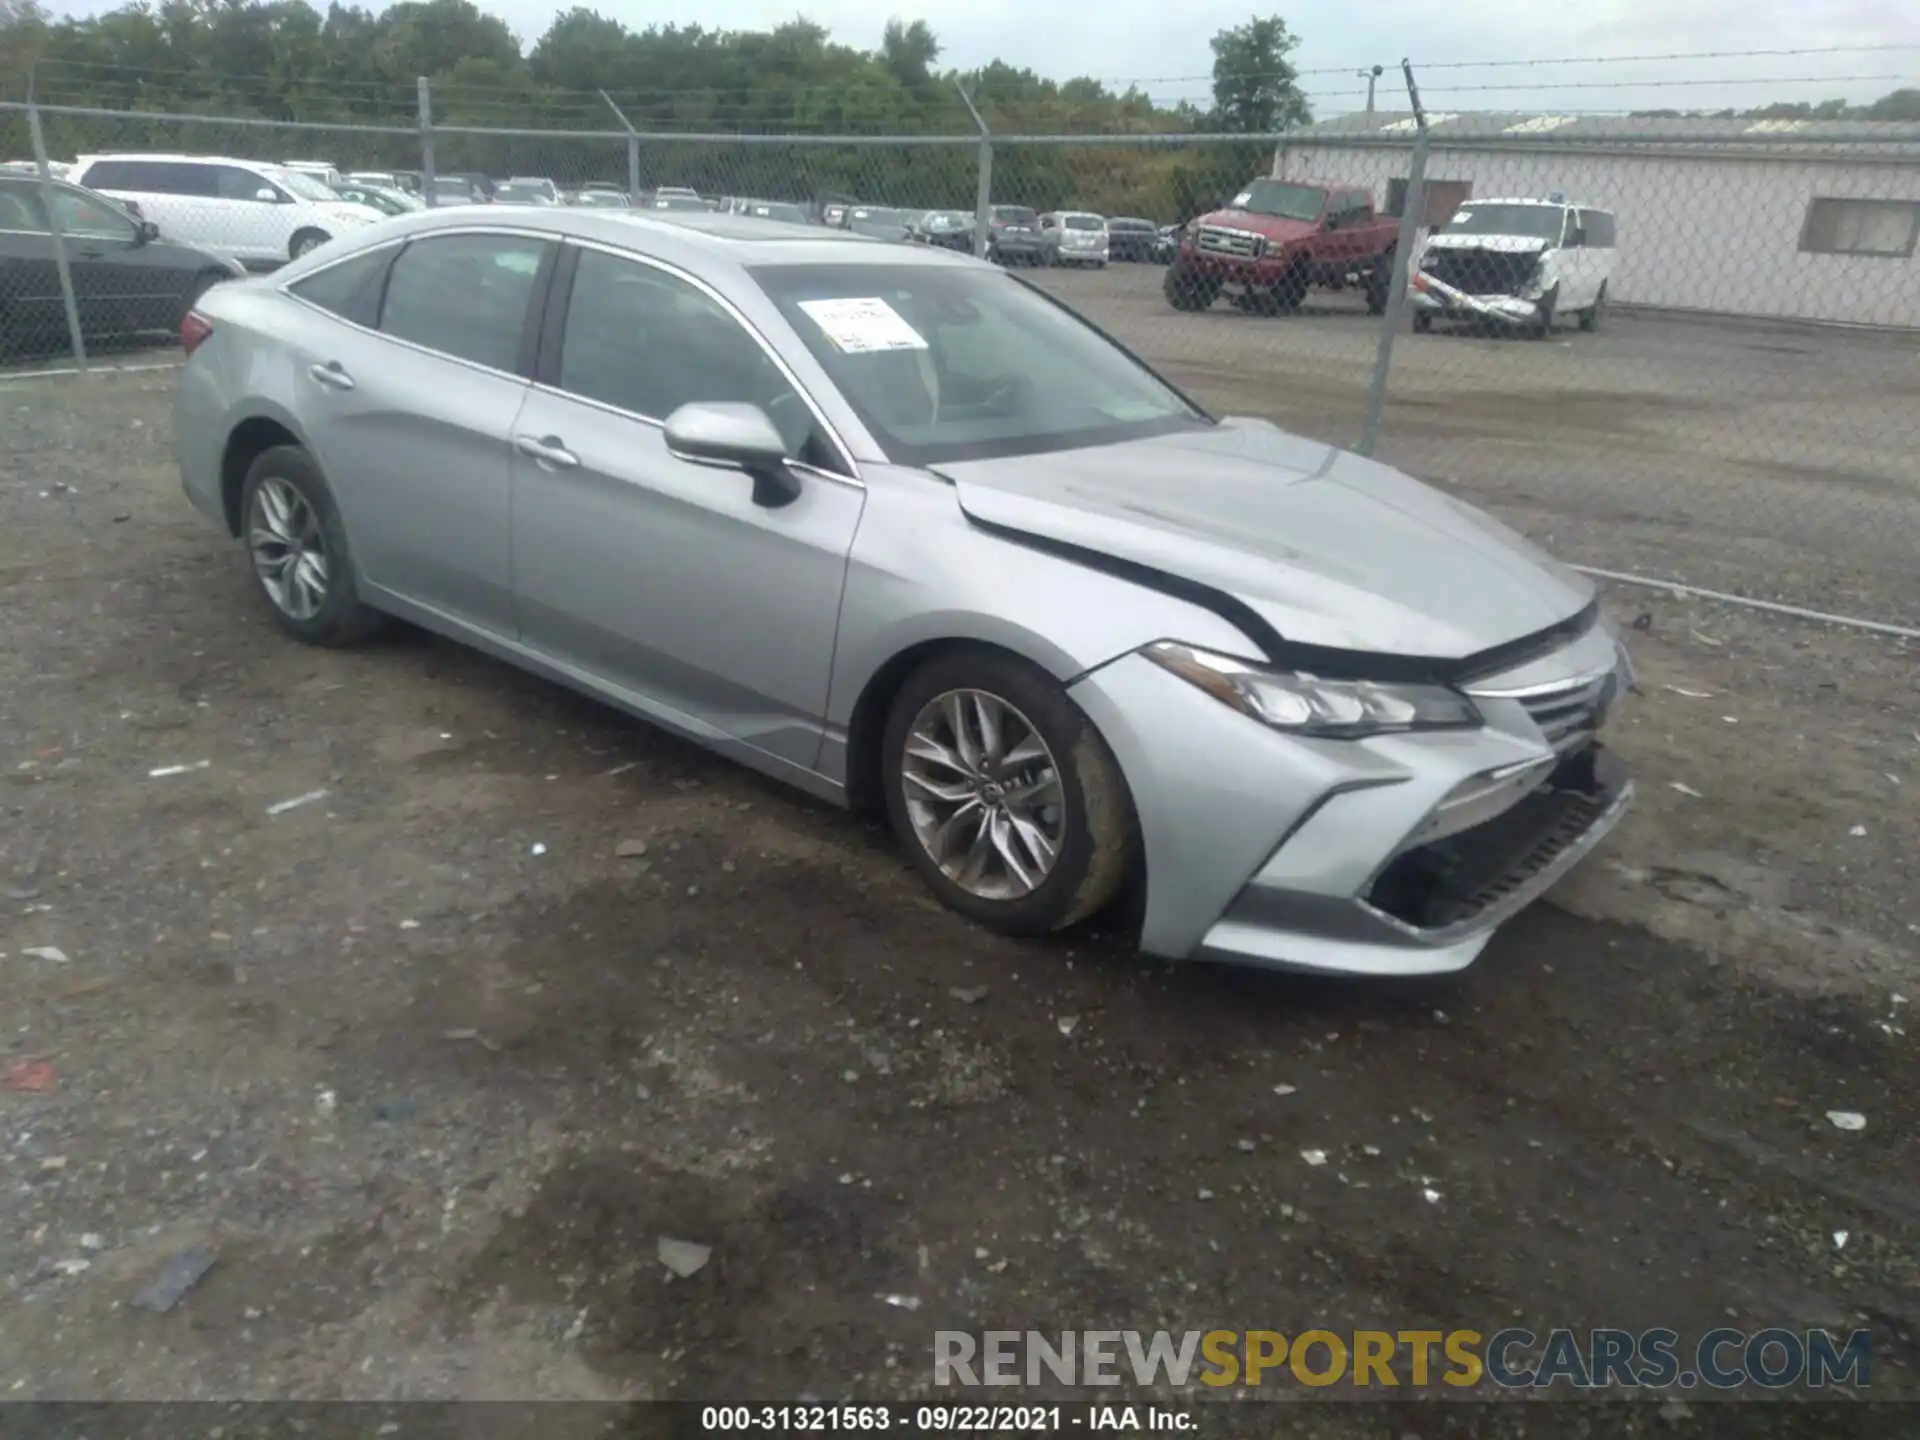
[(263, 215), (1517, 262)]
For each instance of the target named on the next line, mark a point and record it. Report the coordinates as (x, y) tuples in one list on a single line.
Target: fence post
[(425, 90), (983, 191), (1413, 208), (633, 149), (59, 232)]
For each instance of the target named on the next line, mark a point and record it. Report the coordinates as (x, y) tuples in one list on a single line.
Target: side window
[(17, 211), (350, 289), (1599, 227), (233, 183), (464, 295), (1570, 238), (172, 179), (648, 342), (80, 214)]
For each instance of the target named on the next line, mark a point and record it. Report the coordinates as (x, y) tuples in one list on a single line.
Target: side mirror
[(145, 232), (733, 436), (267, 193)]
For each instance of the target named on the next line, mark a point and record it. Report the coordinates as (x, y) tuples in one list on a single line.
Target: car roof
[(1528, 200), (174, 158), (704, 242)]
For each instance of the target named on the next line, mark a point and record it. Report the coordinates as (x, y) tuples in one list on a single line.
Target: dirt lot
[(1743, 456), (432, 1069)]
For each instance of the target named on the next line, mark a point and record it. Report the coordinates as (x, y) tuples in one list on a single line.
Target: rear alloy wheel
[(299, 550), (1010, 804), (1590, 317)]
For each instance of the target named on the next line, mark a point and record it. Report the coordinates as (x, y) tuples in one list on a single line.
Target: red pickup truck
[(1277, 238)]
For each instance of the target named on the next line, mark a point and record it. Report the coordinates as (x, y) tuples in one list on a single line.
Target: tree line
[(283, 60)]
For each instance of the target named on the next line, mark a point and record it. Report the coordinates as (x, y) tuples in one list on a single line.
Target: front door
[(413, 425), (119, 286), (663, 577)]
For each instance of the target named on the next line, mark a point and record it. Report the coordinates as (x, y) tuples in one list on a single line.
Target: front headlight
[(1307, 705)]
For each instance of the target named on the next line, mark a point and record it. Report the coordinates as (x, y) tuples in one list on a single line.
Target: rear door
[(661, 576), (410, 415)]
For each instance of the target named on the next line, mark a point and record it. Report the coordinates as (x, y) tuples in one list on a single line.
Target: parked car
[(321, 170), (600, 199), (604, 186), (1074, 237), (1129, 237), (1166, 243), (834, 215), (385, 199), (522, 192), (456, 190), (671, 199), (1013, 235), (948, 229), (521, 184), (1275, 240), (128, 279), (777, 210), (482, 185), (877, 222), (913, 537), (263, 215), (1517, 262)]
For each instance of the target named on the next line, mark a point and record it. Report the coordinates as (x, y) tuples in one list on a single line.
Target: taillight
[(194, 328)]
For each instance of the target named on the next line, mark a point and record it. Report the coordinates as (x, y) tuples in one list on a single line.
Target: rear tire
[(1590, 317), (289, 520), (1289, 294), (1050, 794)]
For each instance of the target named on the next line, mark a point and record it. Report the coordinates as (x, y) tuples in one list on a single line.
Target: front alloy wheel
[(983, 792), (1009, 802)]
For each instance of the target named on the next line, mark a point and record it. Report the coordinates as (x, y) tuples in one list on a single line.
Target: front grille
[(1570, 715), (1220, 240), (1452, 881), (1482, 272)]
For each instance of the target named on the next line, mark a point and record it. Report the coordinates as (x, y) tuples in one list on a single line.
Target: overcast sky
[(1166, 44)]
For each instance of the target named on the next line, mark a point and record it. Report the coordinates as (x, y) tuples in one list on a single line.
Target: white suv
[(263, 215), (1517, 262)]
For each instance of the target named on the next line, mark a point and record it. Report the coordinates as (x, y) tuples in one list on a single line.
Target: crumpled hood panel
[(1326, 547)]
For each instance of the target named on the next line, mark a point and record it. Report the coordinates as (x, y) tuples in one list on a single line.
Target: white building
[(1789, 219)]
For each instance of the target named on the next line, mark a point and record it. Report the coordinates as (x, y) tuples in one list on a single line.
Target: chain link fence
[(1672, 347)]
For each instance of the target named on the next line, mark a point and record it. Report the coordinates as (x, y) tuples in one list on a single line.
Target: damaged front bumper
[(1433, 295), (1398, 854)]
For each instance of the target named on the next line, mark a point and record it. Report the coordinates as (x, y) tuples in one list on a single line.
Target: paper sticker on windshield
[(863, 326), (1241, 199)]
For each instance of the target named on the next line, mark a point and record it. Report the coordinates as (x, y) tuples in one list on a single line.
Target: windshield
[(303, 185), (1083, 222), (956, 363), (1542, 222), (523, 194), (1015, 215), (1276, 197)]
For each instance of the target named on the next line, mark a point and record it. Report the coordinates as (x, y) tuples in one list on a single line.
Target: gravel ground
[(432, 1062)]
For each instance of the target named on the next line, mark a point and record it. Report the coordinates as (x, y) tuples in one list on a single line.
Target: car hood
[(1328, 548), (1274, 227), (348, 213), (1501, 244)]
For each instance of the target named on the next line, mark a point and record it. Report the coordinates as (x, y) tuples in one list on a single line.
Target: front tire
[(299, 551), (304, 241), (1186, 291), (1009, 803), (1379, 284), (1542, 326)]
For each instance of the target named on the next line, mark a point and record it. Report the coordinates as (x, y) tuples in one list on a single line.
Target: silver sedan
[(891, 525)]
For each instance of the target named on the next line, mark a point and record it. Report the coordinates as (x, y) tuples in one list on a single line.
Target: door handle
[(547, 450), (332, 375)]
